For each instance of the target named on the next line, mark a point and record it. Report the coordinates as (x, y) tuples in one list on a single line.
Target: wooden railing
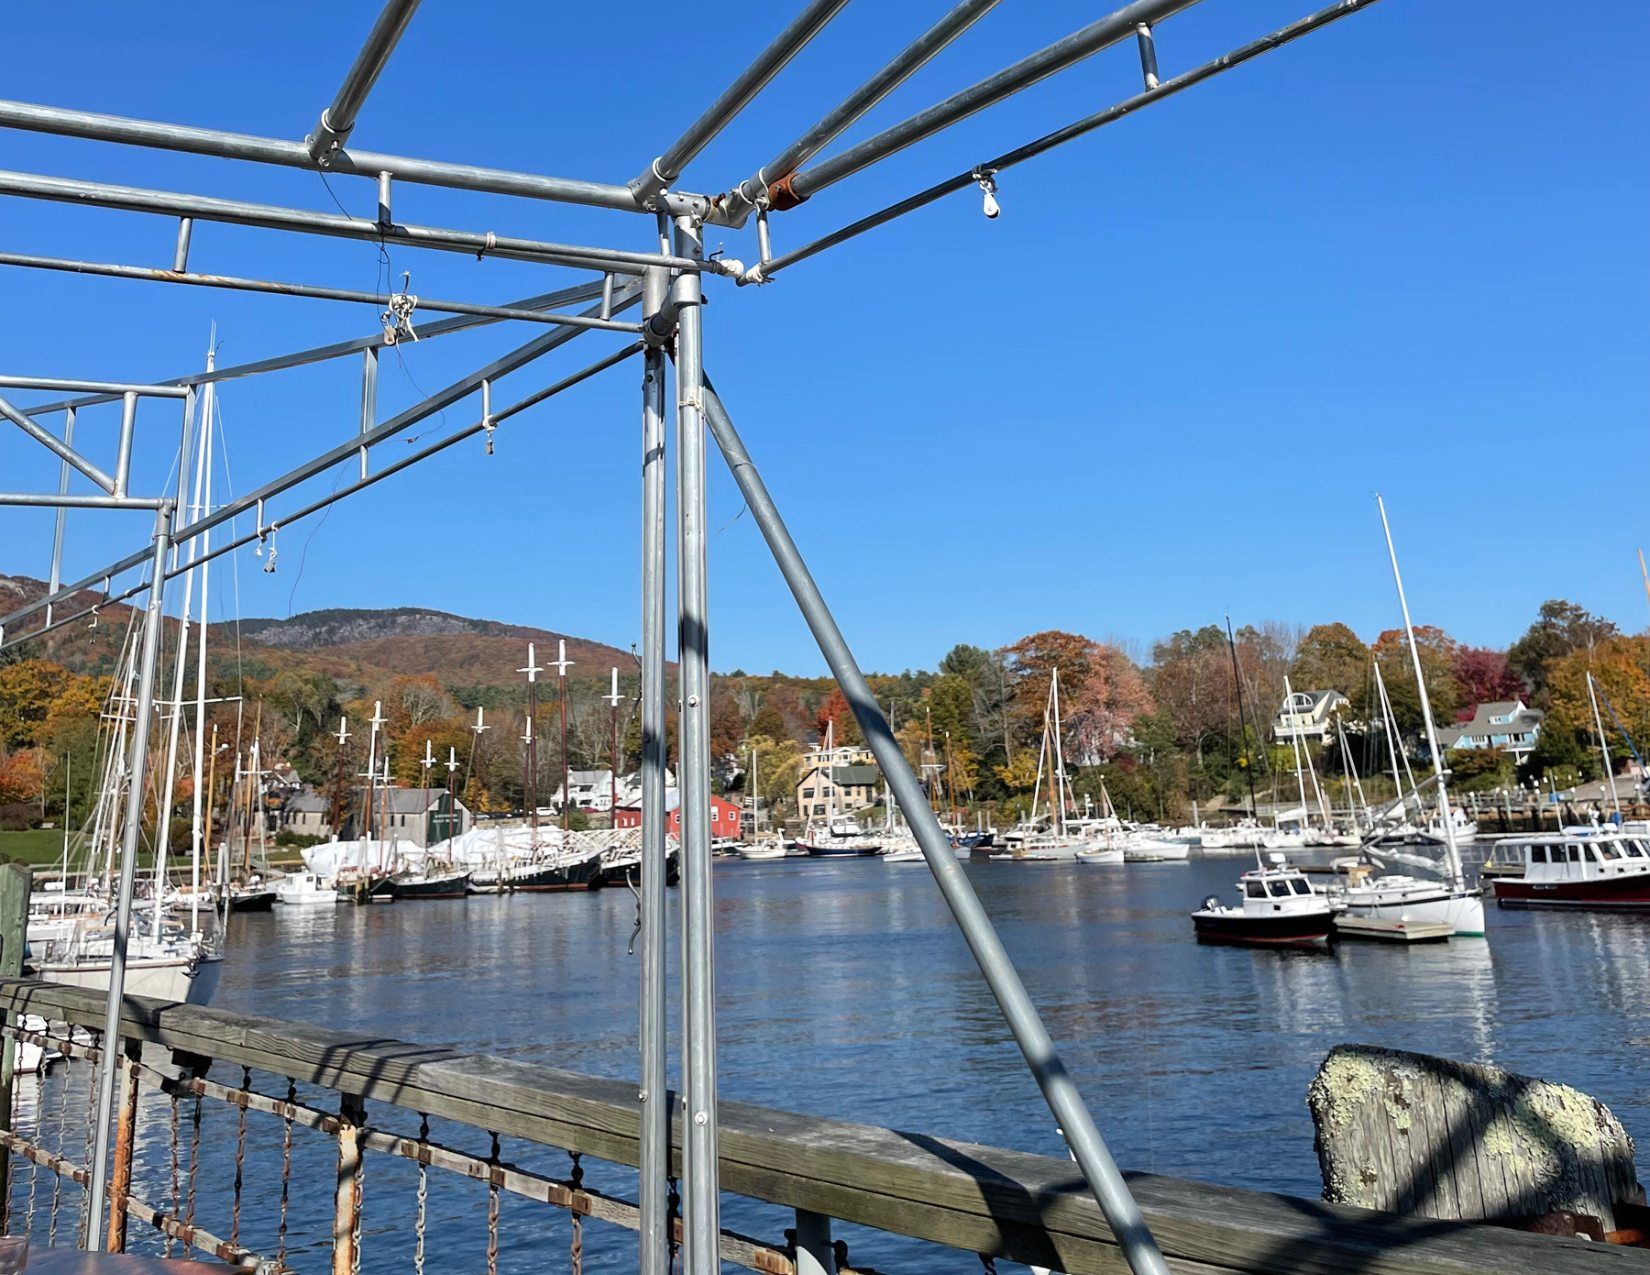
[(982, 1200)]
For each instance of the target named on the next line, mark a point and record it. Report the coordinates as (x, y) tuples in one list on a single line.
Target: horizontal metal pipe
[(55, 445), (737, 203), (988, 92), (1237, 57), (229, 546), (752, 80), (338, 349), (113, 388), (338, 120), (336, 225), (271, 150), (51, 500), (148, 273), (626, 297)]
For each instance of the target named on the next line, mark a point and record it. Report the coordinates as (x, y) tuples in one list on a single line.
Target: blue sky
[(1405, 253)]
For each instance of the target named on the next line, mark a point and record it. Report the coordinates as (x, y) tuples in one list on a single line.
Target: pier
[(374, 1098)]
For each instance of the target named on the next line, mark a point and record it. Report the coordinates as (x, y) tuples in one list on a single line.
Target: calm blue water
[(845, 991)]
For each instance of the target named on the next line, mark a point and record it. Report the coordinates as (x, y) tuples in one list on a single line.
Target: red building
[(725, 817)]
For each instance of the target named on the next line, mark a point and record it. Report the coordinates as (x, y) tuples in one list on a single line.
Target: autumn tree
[(1102, 692), (1485, 677), (1560, 628), (1621, 670), (1331, 657), (27, 691), (1438, 652)]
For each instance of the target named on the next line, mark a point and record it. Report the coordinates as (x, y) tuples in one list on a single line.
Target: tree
[(27, 690), (1331, 657), (1485, 677), (834, 712), (1191, 682), (1621, 669), (1560, 628), (1437, 651)]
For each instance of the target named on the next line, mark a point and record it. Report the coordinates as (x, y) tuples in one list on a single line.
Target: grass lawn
[(38, 845)]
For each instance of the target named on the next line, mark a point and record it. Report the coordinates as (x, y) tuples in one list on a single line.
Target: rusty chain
[(286, 1172), (62, 1133), (194, 1162), (360, 1204), (95, 1040), (240, 1162), (492, 1209), (177, 1178), (423, 1192), (576, 1180)]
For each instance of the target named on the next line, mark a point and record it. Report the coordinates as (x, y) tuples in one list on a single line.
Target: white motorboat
[(1277, 908), (1102, 856), (1141, 848), (305, 890), (771, 848), (901, 848)]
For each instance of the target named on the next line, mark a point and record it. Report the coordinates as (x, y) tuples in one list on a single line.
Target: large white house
[(1307, 716), (1509, 725)]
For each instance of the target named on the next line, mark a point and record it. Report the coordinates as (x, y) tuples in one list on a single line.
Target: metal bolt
[(641, 1095), (699, 1117), (693, 701)]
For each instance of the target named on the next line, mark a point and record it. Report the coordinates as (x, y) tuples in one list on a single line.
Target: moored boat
[(440, 884), (1394, 897), (1579, 868), (1277, 908), (304, 889)]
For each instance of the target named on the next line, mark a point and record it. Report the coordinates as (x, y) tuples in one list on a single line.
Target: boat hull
[(367, 890), (454, 885), (1629, 893), (1462, 911), (164, 978), (252, 901), (1308, 929), (827, 851), (553, 879)]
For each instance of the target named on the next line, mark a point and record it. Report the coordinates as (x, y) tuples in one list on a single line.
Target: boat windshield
[(1254, 890)]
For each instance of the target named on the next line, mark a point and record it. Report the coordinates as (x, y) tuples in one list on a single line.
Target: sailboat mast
[(1603, 746), (1059, 785), (199, 841), (1295, 740), (1445, 816), (1645, 573), (1243, 718), (530, 753)]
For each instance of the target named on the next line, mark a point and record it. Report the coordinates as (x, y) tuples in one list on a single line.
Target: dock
[(1373, 928)]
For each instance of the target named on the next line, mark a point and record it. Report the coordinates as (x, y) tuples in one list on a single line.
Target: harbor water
[(845, 991)]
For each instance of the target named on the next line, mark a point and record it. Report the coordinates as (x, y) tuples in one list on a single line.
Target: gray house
[(1509, 725), (419, 815)]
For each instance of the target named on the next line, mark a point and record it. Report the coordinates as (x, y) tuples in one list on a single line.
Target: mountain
[(360, 644)]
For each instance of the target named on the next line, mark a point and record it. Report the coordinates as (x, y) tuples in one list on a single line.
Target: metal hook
[(986, 179)]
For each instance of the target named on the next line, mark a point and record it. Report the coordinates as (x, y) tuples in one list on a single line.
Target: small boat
[(1140, 848), (1277, 908), (770, 848), (1103, 856), (901, 848), (1395, 897), (251, 898), (440, 884), (304, 890), (1579, 868)]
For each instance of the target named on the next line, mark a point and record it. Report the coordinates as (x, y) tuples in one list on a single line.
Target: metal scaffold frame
[(666, 282)]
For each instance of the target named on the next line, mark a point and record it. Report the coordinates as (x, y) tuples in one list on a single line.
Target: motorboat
[(1277, 907), (305, 890), (1583, 868), (1101, 856), (1142, 847), (769, 848)]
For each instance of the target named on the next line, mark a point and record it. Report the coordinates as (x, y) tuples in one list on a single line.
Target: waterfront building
[(1308, 716), (726, 818), (1509, 725)]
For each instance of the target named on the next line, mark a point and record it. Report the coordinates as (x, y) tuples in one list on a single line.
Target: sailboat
[(840, 836), (1054, 840), (1396, 897), (760, 846)]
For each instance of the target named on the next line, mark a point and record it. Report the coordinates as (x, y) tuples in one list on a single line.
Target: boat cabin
[(1275, 889), (1585, 855)]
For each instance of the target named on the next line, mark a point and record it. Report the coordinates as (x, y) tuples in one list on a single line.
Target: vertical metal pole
[(1070, 1113), (62, 513), (655, 1110), (120, 1181), (16, 884), (133, 828), (346, 1200), (128, 423), (701, 1229), (369, 397), (814, 1253)]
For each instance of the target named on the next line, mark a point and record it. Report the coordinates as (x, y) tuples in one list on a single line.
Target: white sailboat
[(1053, 841), (761, 846), (1396, 897)]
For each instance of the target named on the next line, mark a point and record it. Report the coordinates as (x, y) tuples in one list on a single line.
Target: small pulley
[(397, 320)]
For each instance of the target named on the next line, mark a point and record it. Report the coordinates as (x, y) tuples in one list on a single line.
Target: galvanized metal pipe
[(338, 120), (735, 206), (64, 469), (963, 180), (335, 225), (286, 519), (93, 126), (988, 92), (369, 400), (427, 407), (150, 274), (112, 388), (752, 80), (51, 443), (654, 1132), (1066, 1104), (123, 454), (701, 1207), (338, 349), (137, 764)]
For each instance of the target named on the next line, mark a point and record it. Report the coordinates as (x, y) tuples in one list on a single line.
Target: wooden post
[(814, 1254), (346, 1216), (120, 1171), (16, 881)]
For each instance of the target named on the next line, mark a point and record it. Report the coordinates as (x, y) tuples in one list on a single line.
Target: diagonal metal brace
[(56, 446)]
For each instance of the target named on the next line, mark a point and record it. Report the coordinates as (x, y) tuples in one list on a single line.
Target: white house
[(1307, 716)]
